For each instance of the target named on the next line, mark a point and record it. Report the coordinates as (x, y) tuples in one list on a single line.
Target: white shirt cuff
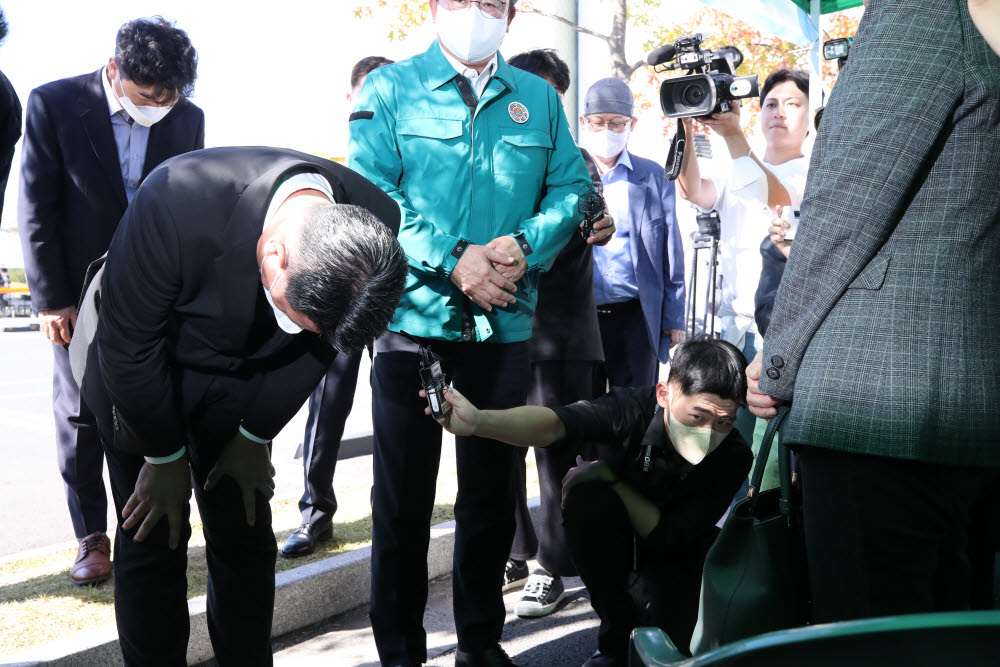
[(249, 436), (160, 460)]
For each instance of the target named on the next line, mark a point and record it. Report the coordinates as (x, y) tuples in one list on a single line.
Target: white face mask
[(285, 323), (693, 443), (605, 144), (470, 35), (145, 115)]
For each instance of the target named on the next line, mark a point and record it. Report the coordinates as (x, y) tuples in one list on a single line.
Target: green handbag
[(755, 574)]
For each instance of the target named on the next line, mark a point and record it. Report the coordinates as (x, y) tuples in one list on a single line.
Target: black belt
[(611, 309)]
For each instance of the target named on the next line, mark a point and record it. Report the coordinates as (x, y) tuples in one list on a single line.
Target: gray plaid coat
[(886, 327)]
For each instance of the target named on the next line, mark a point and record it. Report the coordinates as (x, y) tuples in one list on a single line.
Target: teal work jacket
[(507, 167)]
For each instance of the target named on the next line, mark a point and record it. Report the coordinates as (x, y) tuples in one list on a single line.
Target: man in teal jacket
[(480, 158)]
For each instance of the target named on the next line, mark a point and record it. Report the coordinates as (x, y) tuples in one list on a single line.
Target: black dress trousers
[(552, 383), (406, 455), (329, 406), (892, 536), (629, 359), (628, 588), (79, 451), (150, 578)]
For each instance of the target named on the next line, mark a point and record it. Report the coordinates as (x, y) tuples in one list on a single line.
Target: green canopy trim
[(828, 6)]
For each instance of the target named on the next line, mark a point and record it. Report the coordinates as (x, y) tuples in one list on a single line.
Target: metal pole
[(815, 63), (562, 38)]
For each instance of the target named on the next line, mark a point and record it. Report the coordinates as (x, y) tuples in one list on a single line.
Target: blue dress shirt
[(614, 275), (131, 139)]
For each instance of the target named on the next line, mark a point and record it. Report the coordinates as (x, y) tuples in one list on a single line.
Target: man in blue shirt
[(480, 159), (639, 275), (89, 141)]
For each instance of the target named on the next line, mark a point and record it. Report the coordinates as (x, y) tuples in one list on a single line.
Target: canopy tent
[(796, 21), (828, 6)]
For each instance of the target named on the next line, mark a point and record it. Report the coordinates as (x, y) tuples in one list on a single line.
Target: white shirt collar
[(303, 181), (114, 106), (478, 79)]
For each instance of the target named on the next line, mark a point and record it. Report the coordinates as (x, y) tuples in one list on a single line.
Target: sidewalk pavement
[(336, 588), (321, 608), (321, 618), (568, 636)]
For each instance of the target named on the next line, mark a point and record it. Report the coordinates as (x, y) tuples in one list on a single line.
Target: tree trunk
[(620, 68), (616, 42)]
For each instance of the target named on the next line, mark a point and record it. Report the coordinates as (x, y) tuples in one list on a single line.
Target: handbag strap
[(757, 477), (785, 477)]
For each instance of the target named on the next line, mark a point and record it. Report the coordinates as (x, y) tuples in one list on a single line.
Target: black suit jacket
[(71, 192), (187, 346), (565, 327), (10, 130), (772, 268)]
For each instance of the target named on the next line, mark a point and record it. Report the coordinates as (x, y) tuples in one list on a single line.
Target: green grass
[(39, 603)]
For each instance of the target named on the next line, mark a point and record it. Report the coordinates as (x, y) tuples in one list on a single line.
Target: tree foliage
[(402, 16), (405, 15), (762, 53)]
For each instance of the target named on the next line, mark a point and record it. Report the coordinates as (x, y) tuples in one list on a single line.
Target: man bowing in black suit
[(233, 278), (89, 142)]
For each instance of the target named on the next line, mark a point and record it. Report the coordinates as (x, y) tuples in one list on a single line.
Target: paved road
[(566, 637), (33, 510)]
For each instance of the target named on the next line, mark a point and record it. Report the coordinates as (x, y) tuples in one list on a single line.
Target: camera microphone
[(661, 55)]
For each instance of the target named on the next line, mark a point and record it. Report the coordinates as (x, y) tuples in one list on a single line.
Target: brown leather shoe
[(93, 560)]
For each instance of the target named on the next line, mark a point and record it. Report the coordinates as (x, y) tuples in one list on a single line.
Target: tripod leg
[(693, 294), (716, 283)]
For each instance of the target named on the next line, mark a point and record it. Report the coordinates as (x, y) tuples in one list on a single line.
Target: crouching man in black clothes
[(640, 520)]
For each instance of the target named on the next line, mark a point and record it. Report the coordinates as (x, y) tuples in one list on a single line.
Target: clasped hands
[(162, 490), (487, 273)]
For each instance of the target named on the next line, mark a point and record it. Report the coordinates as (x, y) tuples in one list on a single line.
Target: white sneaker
[(542, 594)]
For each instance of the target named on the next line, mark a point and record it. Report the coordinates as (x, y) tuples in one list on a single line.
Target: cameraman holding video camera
[(745, 198), (639, 520)]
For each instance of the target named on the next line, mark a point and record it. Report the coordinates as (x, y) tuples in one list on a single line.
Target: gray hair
[(346, 274)]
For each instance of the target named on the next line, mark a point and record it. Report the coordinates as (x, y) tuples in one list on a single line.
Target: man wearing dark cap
[(639, 275)]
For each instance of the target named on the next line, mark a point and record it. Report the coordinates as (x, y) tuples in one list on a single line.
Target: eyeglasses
[(494, 9), (614, 125)]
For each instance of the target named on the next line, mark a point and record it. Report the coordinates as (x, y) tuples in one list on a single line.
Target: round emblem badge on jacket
[(518, 112)]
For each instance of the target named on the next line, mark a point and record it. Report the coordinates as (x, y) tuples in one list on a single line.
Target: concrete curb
[(303, 596)]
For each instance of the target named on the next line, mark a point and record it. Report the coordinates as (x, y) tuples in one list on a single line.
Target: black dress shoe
[(494, 656), (303, 541)]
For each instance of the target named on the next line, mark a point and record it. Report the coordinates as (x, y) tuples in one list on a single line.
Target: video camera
[(710, 85), (837, 49)]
